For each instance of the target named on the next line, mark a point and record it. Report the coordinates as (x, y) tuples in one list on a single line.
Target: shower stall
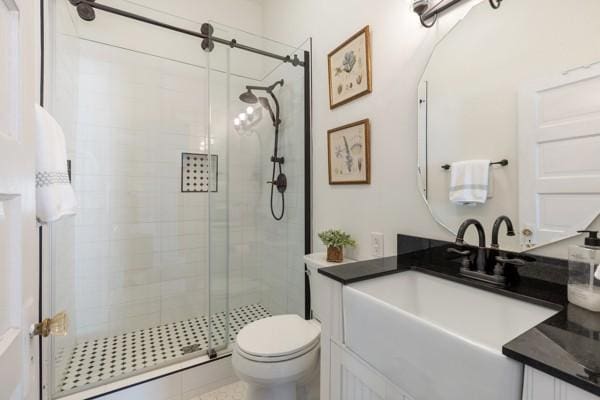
[(193, 200)]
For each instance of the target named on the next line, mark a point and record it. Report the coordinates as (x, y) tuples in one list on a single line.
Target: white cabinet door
[(559, 143), (353, 379), (540, 386), (18, 239)]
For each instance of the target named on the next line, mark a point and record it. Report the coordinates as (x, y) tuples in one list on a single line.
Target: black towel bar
[(503, 163)]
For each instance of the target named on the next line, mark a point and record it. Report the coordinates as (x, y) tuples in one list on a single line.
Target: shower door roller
[(84, 9), (208, 44), (55, 326)]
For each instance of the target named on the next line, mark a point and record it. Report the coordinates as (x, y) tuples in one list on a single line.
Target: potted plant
[(336, 240)]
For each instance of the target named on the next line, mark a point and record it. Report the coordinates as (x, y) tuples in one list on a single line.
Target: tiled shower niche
[(196, 173)]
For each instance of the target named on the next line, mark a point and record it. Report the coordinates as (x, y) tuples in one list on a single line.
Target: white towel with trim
[(54, 194), (470, 182)]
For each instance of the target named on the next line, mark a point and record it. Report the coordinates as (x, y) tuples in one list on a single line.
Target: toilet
[(279, 356)]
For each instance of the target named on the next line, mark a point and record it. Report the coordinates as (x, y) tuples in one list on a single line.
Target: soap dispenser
[(584, 273)]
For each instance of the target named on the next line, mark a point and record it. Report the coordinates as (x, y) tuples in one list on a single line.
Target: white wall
[(401, 49)]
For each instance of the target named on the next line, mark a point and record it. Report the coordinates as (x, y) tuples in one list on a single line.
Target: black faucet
[(510, 231), (460, 240), (503, 272), (460, 236)]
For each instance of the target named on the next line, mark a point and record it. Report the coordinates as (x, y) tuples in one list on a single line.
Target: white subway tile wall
[(136, 254), (140, 245)]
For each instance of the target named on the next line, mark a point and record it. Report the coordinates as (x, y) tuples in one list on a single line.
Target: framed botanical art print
[(350, 69), (349, 153)]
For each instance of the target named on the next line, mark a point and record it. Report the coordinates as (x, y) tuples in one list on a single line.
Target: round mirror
[(520, 84)]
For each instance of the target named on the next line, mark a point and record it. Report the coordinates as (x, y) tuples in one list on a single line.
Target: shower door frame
[(45, 391)]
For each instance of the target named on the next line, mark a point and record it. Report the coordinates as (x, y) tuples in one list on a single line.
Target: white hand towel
[(469, 182), (54, 195)]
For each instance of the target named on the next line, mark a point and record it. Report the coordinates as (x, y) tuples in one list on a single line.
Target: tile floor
[(106, 358), (235, 391)]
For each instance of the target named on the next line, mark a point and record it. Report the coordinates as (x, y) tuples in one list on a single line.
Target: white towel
[(470, 182), (54, 195)]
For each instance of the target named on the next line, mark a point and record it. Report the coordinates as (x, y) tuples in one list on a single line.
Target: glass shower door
[(133, 268), (256, 260), (218, 199)]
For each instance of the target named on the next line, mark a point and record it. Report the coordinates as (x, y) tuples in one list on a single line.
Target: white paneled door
[(18, 239), (559, 155)]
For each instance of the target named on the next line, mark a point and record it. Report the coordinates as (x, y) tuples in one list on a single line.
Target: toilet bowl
[(278, 357)]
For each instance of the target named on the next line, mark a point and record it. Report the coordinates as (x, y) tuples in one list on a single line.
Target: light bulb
[(242, 116), (249, 110), (237, 122)]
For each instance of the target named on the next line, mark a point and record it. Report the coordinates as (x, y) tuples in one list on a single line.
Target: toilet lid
[(278, 336)]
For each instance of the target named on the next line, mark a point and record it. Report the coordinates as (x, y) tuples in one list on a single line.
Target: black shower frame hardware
[(85, 9), (432, 14), (503, 163)]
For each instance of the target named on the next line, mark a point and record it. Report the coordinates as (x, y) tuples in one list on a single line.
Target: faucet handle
[(459, 252), (518, 262), (465, 260)]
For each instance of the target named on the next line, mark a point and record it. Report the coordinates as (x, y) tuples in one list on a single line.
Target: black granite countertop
[(566, 346)]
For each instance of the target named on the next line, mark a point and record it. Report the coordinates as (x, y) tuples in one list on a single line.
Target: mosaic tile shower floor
[(102, 359)]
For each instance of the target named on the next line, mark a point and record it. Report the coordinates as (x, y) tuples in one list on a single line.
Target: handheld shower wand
[(281, 181)]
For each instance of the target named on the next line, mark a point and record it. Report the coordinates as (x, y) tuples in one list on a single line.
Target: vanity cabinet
[(540, 386), (347, 375), (344, 376), (353, 379)]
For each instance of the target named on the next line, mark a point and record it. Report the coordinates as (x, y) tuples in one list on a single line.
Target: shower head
[(248, 97), (267, 106)]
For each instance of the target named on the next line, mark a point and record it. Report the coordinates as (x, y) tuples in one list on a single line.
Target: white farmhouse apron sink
[(437, 339)]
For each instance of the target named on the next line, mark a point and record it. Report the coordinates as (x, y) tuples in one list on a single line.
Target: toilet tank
[(314, 262)]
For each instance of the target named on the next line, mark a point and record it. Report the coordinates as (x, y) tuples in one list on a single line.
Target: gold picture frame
[(349, 68), (349, 153)]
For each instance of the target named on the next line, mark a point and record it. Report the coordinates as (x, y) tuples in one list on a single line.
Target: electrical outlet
[(377, 244)]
